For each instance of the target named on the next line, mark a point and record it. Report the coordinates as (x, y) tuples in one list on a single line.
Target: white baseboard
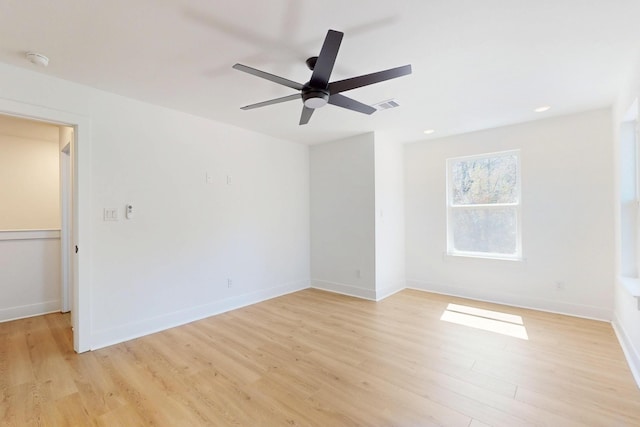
[(23, 311), (111, 336), (577, 310), (630, 352), (389, 290), (342, 288)]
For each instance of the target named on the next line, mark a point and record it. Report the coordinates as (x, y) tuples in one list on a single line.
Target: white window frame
[(517, 256)]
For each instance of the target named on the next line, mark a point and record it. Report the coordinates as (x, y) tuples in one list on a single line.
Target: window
[(483, 206)]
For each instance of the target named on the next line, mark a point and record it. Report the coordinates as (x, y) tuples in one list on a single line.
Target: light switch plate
[(110, 214)]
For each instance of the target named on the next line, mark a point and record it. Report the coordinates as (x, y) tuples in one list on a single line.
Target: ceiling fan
[(318, 91)]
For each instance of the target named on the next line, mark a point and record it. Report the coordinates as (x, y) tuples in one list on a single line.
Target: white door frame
[(66, 218), (81, 303)]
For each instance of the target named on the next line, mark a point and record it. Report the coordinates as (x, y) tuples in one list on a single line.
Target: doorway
[(79, 295), (35, 217)]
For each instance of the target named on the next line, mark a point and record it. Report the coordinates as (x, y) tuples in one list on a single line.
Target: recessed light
[(429, 131), (542, 109)]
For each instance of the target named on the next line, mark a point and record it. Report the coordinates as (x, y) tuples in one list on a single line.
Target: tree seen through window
[(484, 205)]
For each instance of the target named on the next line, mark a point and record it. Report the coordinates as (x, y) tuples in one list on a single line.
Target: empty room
[(451, 239)]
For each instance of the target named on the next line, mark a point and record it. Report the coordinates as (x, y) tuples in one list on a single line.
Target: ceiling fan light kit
[(315, 98), (318, 91)]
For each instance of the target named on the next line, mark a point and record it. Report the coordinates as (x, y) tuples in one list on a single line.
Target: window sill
[(631, 284), (462, 255)]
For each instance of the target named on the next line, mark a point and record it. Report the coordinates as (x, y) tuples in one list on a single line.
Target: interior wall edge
[(30, 310), (344, 289), (540, 304), (126, 332), (631, 354), (386, 291)]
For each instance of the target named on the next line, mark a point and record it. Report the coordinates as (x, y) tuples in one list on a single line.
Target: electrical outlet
[(229, 283), (560, 285)]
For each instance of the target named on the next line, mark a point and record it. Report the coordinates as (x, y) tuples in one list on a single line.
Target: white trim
[(483, 255), (66, 207), (29, 234), (389, 290), (630, 352), (121, 333), (486, 206), (485, 155), (81, 305), (23, 311), (343, 288), (631, 284), (515, 300)]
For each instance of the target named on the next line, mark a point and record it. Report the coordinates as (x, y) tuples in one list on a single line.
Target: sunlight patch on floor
[(487, 320)]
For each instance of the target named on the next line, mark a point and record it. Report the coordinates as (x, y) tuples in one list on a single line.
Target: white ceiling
[(476, 64)]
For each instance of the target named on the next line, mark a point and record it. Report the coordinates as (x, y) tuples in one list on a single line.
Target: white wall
[(29, 173), (170, 264), (343, 257), (626, 317), (357, 216), (29, 200), (567, 217), (29, 273), (389, 211)]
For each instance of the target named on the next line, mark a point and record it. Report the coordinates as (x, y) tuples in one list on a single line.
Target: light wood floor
[(320, 359)]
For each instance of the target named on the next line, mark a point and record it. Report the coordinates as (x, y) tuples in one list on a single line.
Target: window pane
[(485, 180), (492, 230)]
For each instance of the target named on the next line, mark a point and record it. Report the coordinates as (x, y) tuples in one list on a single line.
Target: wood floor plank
[(15, 363), (123, 416), (314, 358), (593, 414)]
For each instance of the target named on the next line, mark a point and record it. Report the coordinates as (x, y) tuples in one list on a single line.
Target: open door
[(66, 218)]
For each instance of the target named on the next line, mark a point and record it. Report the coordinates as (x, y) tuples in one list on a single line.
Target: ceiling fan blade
[(268, 76), (271, 102), (326, 59), (350, 104), (368, 79), (306, 115)]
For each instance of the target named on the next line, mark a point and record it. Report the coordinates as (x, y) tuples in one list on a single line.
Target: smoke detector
[(37, 59)]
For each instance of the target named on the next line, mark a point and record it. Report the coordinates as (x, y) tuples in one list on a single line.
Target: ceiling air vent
[(385, 105)]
